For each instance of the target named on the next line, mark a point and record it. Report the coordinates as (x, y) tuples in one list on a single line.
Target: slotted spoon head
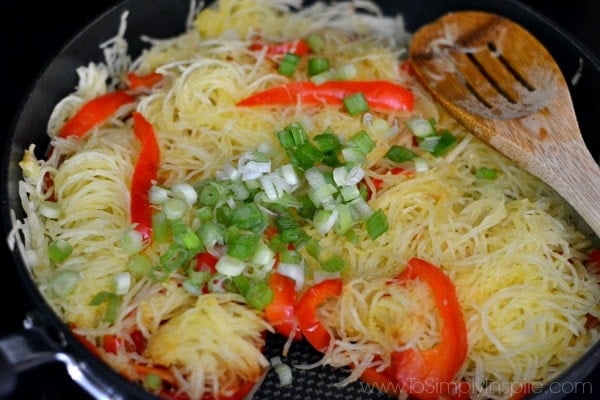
[(503, 85)]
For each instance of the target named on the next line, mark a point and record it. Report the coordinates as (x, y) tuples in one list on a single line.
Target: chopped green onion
[(211, 234), (121, 282), (243, 246), (230, 266), (263, 255), (345, 72), (363, 141), (307, 207), (313, 248), (259, 295), (327, 142), (351, 236), (185, 192), (324, 220), (288, 226), (239, 190), (345, 218), (447, 140), (331, 159), (353, 155), (420, 164), (380, 126), (289, 174), (356, 103), (289, 64), (349, 192), (186, 237), (65, 282), (198, 277), (315, 42), (139, 265), (174, 258), (399, 154), (335, 263), (160, 227), (174, 208), (158, 195), (429, 143), (249, 217), (112, 305), (322, 195), (152, 381), (50, 209), (59, 250), (317, 65), (211, 193), (223, 215), (132, 241), (242, 283), (377, 224), (322, 77), (486, 173), (205, 213), (307, 155), (420, 127)]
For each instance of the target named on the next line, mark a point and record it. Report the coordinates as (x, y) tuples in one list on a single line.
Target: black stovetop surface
[(32, 32)]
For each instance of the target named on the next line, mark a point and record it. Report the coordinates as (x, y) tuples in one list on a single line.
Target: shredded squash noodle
[(192, 307)]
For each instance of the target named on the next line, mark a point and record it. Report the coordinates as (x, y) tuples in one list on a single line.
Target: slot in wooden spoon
[(502, 84)]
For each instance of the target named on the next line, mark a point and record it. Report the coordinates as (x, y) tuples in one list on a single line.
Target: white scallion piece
[(289, 174), (158, 195), (174, 208), (420, 126), (340, 175), (420, 164), (230, 266), (121, 283), (293, 271), (185, 192), (355, 175)]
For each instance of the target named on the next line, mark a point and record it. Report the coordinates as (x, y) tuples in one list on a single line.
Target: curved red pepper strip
[(435, 368), (306, 312), (281, 311), (299, 47), (381, 95), (95, 112), (147, 81), (146, 171)]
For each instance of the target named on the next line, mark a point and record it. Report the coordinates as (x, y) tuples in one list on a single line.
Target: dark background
[(32, 32)]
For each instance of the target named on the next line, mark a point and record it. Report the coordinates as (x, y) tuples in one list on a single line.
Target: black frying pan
[(48, 339)]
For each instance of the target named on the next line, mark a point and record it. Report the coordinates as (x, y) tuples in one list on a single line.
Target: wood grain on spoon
[(502, 84)]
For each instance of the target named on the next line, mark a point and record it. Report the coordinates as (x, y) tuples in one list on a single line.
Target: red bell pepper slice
[(146, 171), (281, 311), (94, 113), (306, 312), (147, 81), (381, 95), (299, 47), (111, 343), (206, 262), (434, 368)]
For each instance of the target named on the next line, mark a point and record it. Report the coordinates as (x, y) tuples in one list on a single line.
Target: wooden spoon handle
[(577, 179)]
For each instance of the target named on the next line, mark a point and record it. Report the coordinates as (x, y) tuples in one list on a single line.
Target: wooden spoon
[(502, 84)]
